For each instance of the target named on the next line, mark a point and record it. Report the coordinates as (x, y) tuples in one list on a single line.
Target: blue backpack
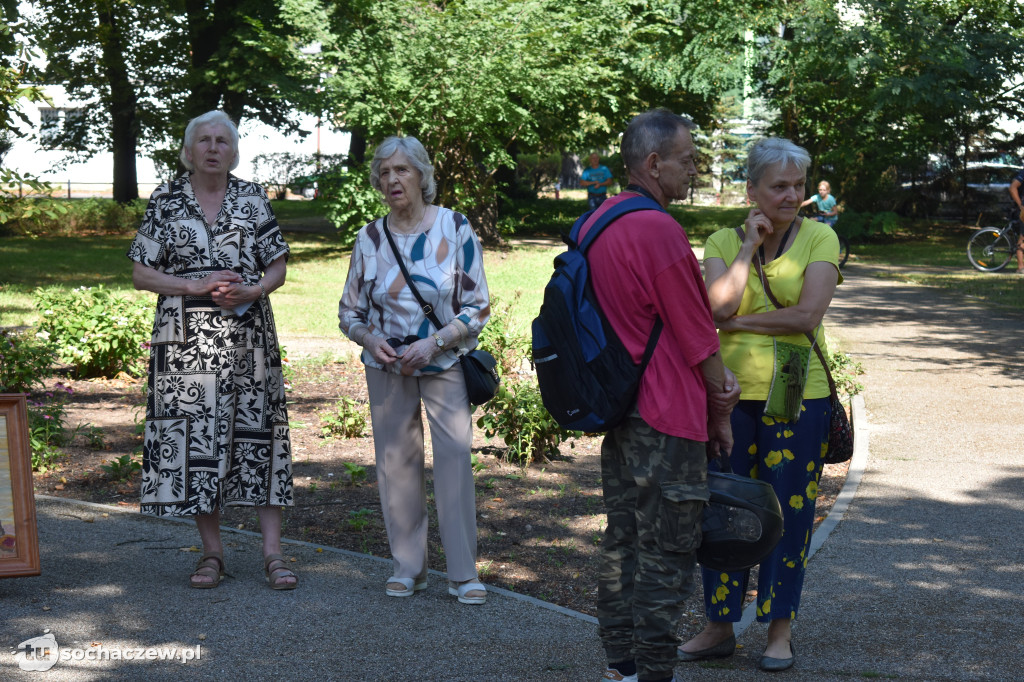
[(588, 380)]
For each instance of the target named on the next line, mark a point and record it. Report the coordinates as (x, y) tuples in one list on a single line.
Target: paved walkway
[(921, 579)]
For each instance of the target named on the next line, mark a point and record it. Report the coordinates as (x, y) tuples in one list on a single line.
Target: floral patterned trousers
[(789, 456)]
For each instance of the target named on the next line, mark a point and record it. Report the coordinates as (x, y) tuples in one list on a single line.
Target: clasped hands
[(417, 355), (226, 289)]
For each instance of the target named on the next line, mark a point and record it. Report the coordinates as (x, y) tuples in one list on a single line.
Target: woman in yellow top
[(768, 351)]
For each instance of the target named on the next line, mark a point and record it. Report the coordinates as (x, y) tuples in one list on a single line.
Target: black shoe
[(775, 665), (723, 649)]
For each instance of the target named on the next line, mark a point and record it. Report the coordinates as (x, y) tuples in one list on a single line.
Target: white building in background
[(30, 154)]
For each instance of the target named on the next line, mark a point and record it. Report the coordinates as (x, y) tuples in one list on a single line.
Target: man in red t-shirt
[(654, 464)]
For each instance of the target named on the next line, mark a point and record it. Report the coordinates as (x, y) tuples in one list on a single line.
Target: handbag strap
[(428, 309), (810, 337)]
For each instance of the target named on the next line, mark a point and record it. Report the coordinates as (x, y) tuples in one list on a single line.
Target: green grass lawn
[(297, 208), (939, 249), (307, 304)]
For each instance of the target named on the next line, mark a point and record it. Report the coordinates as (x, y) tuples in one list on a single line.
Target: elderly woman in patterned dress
[(216, 423), (408, 362)]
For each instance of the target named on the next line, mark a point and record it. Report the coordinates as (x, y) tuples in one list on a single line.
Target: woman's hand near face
[(419, 354), (758, 228)]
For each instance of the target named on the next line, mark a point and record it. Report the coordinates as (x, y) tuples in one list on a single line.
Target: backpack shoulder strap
[(638, 203)]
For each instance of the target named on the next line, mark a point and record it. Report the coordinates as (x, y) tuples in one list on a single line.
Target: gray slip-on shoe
[(775, 665), (724, 649)]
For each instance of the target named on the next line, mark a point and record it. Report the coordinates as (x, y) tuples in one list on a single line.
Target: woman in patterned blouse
[(409, 362), (216, 423)]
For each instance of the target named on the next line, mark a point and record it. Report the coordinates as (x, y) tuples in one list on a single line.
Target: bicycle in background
[(991, 248), (810, 211)]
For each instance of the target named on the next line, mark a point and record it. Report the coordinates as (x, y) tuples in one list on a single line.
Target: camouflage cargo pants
[(655, 487)]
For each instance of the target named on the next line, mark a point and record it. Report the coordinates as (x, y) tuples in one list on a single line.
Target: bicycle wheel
[(989, 250), (844, 250)]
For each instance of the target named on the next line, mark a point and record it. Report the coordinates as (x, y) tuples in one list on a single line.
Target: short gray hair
[(216, 116), (651, 131), (417, 157), (772, 151)]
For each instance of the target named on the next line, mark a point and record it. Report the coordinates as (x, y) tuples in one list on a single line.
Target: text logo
[(37, 654)]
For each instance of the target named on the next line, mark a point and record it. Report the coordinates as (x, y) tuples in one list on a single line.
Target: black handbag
[(741, 523), (478, 366)]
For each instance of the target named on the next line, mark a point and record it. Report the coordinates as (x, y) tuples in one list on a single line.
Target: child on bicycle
[(826, 203), (1015, 184)]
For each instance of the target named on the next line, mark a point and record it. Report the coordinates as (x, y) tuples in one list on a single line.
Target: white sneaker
[(615, 676)]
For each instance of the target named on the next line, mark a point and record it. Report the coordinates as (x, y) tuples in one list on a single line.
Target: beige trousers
[(398, 444)]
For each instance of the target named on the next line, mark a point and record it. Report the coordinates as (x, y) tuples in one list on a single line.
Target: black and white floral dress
[(216, 421)]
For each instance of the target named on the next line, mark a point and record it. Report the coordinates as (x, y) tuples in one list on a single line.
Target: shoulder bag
[(478, 366)]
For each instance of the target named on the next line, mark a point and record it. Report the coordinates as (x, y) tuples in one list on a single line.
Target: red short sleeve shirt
[(642, 267)]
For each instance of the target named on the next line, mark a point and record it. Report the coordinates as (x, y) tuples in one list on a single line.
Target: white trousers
[(398, 445)]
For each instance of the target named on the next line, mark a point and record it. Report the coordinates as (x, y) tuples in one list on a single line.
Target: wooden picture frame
[(19, 542)]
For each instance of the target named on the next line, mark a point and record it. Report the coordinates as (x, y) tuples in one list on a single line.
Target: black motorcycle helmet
[(741, 524)]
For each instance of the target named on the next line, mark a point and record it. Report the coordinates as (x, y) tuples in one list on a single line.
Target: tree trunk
[(357, 146), (505, 178), (124, 127), (571, 170), (205, 31), (484, 219)]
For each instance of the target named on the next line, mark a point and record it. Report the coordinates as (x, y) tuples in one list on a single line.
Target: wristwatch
[(438, 340)]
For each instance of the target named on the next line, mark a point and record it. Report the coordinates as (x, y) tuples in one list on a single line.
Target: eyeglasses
[(395, 343)]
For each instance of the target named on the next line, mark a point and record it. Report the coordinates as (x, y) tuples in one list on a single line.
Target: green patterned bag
[(786, 394)]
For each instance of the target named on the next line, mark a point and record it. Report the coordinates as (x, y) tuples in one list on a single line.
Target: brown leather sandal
[(210, 565), (276, 576)]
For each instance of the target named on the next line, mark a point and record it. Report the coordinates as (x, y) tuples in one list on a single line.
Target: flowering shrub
[(25, 361), (97, 331)]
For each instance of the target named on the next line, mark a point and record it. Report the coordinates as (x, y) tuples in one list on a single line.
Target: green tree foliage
[(873, 88), (103, 54), (141, 69), (15, 54), (481, 81)]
